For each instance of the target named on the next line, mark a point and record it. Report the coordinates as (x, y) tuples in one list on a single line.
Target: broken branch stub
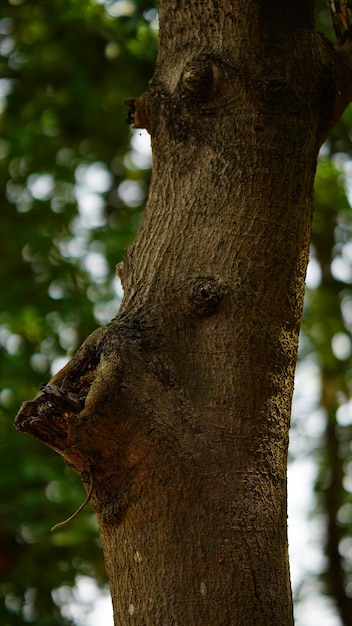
[(139, 114), (75, 395)]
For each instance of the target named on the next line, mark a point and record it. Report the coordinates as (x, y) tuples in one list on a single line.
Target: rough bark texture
[(178, 411)]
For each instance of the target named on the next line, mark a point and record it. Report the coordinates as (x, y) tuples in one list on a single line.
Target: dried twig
[(72, 517)]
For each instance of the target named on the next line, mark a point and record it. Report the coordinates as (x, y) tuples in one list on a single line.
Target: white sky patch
[(68, 336), (58, 364), (105, 311), (95, 177), (341, 270), (316, 611), (346, 307), (41, 186), (306, 395), (152, 16), (117, 286), (344, 163), (140, 143), (73, 248), (140, 155), (341, 346), (91, 209), (305, 555), (39, 362), (14, 344), (101, 613), (306, 533), (91, 181), (87, 604), (56, 290), (313, 277), (5, 90), (96, 264), (344, 417), (347, 252), (119, 7), (132, 192)]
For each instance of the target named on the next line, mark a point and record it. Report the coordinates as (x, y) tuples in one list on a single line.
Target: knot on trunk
[(205, 295), (200, 78)]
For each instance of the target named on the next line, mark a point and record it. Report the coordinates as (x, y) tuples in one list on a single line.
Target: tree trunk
[(177, 412)]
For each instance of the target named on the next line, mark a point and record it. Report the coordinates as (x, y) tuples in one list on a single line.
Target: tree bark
[(177, 412)]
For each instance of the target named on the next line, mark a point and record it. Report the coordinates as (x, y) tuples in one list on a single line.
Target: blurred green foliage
[(326, 341), (72, 191)]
